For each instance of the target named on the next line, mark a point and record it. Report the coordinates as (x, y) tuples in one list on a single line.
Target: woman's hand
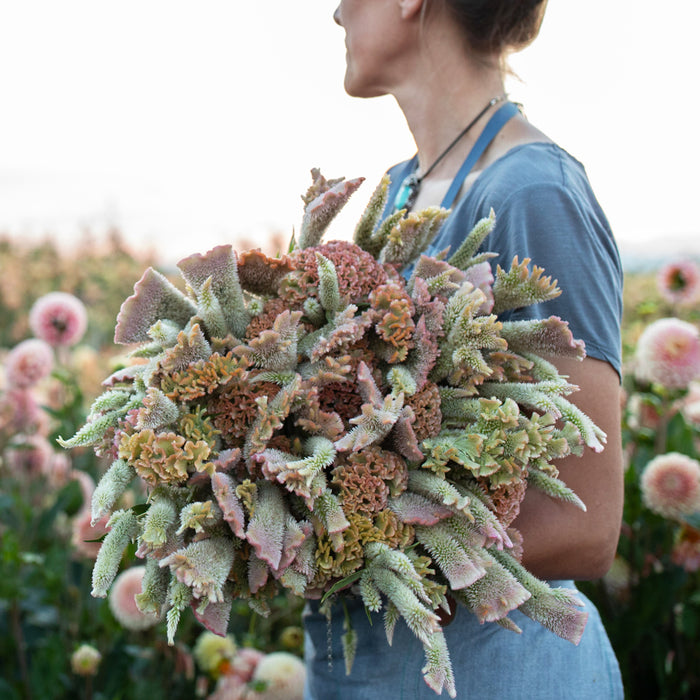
[(560, 540)]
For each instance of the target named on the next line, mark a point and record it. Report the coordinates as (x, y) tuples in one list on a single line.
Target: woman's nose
[(336, 16)]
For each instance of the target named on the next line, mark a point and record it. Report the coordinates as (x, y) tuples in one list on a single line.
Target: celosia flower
[(28, 363), (122, 600), (671, 485), (211, 652), (85, 660), (679, 282), (58, 318), (353, 408), (668, 353), (283, 675)]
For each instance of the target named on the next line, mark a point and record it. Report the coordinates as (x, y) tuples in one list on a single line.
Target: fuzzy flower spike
[(320, 424)]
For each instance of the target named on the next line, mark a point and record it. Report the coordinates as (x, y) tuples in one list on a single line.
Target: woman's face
[(375, 40)]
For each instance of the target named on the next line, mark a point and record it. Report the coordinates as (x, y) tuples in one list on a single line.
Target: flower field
[(57, 318)]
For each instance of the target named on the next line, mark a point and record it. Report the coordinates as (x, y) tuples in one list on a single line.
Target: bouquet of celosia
[(347, 418)]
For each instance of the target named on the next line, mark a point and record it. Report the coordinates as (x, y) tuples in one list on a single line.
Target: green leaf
[(338, 585)]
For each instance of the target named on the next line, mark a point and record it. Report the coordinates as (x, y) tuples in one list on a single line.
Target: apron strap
[(495, 124)]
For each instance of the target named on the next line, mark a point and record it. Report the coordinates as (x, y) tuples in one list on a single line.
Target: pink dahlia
[(283, 674), (122, 600), (671, 485), (31, 455), (679, 282), (58, 318), (20, 412), (28, 363), (668, 353)]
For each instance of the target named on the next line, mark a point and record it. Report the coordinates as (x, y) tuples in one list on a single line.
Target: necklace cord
[(411, 185)]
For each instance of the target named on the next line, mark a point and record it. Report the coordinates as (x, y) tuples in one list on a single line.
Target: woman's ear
[(410, 8)]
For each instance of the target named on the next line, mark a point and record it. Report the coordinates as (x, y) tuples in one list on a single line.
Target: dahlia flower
[(679, 282), (85, 660), (211, 651), (122, 600), (671, 485), (319, 422), (283, 676), (668, 353), (28, 363), (58, 318)]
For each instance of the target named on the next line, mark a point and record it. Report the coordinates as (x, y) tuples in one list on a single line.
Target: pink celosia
[(668, 353), (671, 485), (122, 602), (679, 282), (28, 363), (58, 318)]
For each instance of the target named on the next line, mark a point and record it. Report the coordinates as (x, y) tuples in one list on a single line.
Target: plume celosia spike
[(371, 215), (519, 287), (391, 617), (92, 432), (111, 487), (553, 487), (331, 513), (495, 594), (422, 621), (549, 336), (203, 566), (591, 434), (319, 213), (266, 528), (154, 298), (371, 597), (159, 523), (221, 264), (109, 401), (453, 560), (418, 510), (328, 291), (179, 597), (157, 411), (214, 616), (463, 257), (210, 311), (123, 527), (154, 589), (224, 489), (554, 610), (437, 671), (349, 642), (439, 490), (164, 332), (192, 346)]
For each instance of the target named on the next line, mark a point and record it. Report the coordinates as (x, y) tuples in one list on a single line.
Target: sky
[(190, 124)]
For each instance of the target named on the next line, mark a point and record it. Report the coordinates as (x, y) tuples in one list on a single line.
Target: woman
[(444, 62)]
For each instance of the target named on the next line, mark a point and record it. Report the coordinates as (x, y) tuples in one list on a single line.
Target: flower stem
[(21, 648)]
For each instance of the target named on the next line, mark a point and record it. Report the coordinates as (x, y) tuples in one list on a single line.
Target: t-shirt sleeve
[(566, 234)]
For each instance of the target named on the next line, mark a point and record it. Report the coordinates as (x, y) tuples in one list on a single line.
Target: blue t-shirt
[(546, 211)]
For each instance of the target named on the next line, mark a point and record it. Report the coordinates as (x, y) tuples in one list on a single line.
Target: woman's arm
[(560, 540)]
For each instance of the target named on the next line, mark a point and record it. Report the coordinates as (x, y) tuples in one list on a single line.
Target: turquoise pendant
[(407, 193)]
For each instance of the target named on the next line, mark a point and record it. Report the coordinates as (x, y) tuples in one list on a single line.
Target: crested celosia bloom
[(58, 318), (283, 676), (671, 485), (85, 660), (679, 282), (122, 600), (349, 413), (28, 363), (668, 353)]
